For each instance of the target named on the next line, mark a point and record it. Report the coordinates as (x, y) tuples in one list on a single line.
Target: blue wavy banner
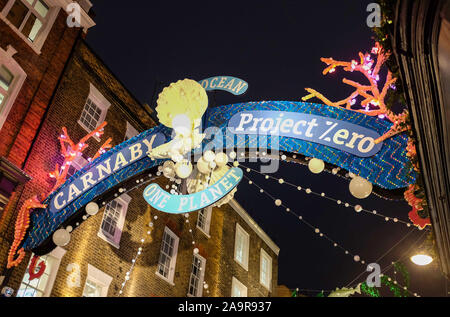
[(389, 168)]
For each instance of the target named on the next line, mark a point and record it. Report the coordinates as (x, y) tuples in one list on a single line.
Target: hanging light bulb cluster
[(317, 230), (356, 208)]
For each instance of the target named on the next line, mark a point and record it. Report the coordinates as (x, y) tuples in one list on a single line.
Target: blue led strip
[(389, 168)]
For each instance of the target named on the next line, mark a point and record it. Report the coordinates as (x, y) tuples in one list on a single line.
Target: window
[(204, 219), (241, 247), (78, 163), (12, 77), (114, 220), (6, 79), (168, 255), (30, 19), (131, 132), (94, 111), (265, 267), (97, 283), (238, 289), (197, 276), (42, 286)]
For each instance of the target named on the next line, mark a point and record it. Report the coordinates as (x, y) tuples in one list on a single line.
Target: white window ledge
[(105, 238), (164, 278), (203, 231)]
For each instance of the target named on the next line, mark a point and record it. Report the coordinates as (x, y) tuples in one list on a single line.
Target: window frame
[(78, 163), (42, 35), (173, 259), (7, 59), (264, 254), (207, 220), (124, 200), (246, 251), (98, 277), (239, 284), (201, 277), (56, 256), (100, 102)]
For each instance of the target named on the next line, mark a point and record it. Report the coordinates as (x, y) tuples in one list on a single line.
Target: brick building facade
[(67, 85)]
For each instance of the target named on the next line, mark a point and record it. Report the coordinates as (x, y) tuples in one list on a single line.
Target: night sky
[(276, 47)]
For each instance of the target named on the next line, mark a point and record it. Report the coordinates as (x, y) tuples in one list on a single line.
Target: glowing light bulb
[(421, 259)]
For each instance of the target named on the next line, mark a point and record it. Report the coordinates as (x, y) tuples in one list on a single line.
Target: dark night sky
[(275, 46)]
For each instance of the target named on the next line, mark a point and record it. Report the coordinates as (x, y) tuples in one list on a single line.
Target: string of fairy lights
[(279, 203), (148, 234), (138, 253), (357, 208), (316, 229)]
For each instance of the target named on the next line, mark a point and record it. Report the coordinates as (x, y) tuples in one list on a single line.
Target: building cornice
[(252, 223), (86, 21)]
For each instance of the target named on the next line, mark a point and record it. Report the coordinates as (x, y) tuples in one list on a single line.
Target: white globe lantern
[(183, 169), (168, 169), (360, 188), (92, 209), (182, 124), (61, 237), (209, 156), (316, 166), (203, 166), (221, 159)]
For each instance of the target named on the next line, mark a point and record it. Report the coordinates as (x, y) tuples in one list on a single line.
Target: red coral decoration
[(373, 103), (32, 268), (417, 220), (416, 204)]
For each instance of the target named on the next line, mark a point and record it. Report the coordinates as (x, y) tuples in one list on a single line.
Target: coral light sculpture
[(70, 151), (374, 96)]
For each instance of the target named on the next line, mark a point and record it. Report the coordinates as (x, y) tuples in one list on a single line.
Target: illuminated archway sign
[(385, 165), (177, 204)]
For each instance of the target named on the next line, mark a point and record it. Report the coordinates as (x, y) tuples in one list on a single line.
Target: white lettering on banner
[(161, 200), (101, 171), (339, 134), (231, 84)]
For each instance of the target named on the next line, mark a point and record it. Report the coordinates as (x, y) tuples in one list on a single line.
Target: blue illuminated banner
[(178, 204), (101, 169), (233, 85), (334, 133)]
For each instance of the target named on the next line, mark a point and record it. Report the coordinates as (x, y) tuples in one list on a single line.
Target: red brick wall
[(43, 72)]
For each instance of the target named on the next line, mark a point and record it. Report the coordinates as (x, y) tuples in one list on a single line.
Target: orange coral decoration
[(22, 224), (373, 104), (70, 151)]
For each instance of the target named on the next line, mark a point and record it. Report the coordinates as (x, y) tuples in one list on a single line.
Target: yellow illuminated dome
[(185, 98)]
